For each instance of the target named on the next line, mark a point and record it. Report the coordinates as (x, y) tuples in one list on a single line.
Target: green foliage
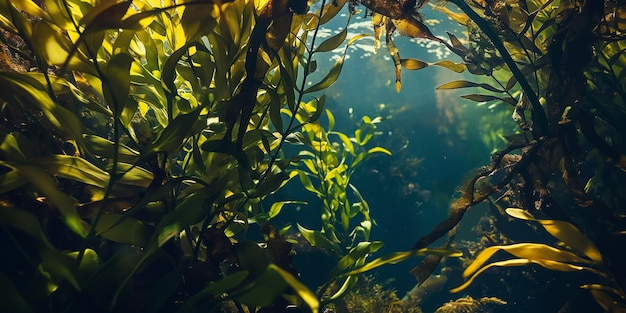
[(549, 63), (330, 160), (161, 79), (150, 133)]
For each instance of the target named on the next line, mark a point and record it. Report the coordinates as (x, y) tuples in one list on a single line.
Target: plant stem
[(539, 116)]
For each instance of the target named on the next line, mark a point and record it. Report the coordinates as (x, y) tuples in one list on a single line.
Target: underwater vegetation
[(141, 142), (471, 305), (370, 296)]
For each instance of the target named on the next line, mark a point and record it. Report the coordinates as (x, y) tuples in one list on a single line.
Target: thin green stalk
[(292, 120)]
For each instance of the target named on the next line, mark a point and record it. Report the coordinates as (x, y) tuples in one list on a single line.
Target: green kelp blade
[(317, 239), (397, 257), (174, 134), (123, 229), (106, 148), (563, 231), (74, 168), (379, 149), (47, 185), (305, 293), (277, 207), (362, 250), (466, 84), (116, 87), (486, 98), (190, 211), (347, 285), (333, 42), (330, 78), (263, 290)]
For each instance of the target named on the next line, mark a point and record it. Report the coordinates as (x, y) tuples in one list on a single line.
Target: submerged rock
[(470, 305)]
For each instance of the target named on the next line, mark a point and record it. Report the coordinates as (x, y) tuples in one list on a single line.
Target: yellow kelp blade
[(513, 262), (551, 265), (397, 257), (563, 231), (531, 251)]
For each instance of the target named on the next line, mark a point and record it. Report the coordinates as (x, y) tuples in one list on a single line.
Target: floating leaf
[(174, 134), (278, 206), (397, 257), (607, 302), (106, 14), (333, 42), (347, 143), (455, 67), (465, 84), (531, 17), (305, 293), (306, 182), (74, 168), (105, 148), (117, 85), (317, 239), (360, 251), (485, 98), (329, 79), (54, 48), (330, 10), (413, 64), (123, 229), (379, 149), (460, 18), (551, 265), (60, 16), (319, 109)]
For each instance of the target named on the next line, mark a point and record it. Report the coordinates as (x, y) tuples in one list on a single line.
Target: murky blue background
[(435, 138)]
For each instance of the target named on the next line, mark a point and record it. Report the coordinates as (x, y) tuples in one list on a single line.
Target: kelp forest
[(145, 146)]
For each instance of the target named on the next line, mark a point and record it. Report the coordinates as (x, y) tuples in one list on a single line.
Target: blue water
[(408, 192)]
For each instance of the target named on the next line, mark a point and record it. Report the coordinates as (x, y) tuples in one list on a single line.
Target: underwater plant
[(140, 139), (138, 142), (549, 62), (470, 305), (577, 255)]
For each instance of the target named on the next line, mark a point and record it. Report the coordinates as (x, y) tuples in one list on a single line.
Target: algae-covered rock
[(471, 305)]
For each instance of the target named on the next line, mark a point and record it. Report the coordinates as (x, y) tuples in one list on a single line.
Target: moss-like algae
[(471, 305)]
